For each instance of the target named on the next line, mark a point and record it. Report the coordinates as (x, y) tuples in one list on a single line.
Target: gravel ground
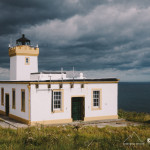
[(104, 123), (7, 122)]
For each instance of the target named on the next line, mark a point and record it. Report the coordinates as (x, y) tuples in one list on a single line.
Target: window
[(27, 60), (13, 98), (23, 100), (2, 96), (96, 99), (57, 99)]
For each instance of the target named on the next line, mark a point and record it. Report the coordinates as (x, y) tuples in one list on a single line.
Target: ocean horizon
[(134, 96)]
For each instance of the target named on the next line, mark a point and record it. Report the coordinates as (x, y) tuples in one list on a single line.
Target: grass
[(134, 116), (69, 138)]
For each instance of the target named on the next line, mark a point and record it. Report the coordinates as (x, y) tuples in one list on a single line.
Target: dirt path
[(7, 122)]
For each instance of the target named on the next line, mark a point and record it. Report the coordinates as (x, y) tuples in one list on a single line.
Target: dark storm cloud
[(99, 35), (16, 14)]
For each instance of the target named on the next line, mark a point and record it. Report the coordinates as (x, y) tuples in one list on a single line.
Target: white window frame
[(61, 109), (99, 97), (55, 98), (96, 96)]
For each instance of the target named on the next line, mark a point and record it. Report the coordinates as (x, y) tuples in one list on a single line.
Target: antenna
[(62, 72), (61, 85), (73, 72)]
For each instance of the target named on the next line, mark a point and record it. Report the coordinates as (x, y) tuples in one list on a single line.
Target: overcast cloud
[(102, 38)]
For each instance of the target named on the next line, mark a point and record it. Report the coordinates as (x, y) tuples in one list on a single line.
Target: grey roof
[(66, 80), (51, 72)]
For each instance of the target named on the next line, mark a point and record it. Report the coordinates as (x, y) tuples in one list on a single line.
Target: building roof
[(51, 72), (104, 80)]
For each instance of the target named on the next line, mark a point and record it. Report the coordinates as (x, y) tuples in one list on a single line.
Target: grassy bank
[(69, 138), (134, 116)]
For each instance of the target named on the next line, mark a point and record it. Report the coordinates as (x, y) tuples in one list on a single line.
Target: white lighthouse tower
[(23, 59)]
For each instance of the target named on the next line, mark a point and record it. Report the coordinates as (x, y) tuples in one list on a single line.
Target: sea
[(134, 96)]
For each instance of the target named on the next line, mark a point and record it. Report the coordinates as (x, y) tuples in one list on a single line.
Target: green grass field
[(134, 116), (69, 138)]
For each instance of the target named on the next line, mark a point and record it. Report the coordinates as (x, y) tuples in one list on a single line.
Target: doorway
[(77, 108), (7, 104)]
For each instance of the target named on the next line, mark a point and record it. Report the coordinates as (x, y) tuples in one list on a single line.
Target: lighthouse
[(50, 97), (23, 59)]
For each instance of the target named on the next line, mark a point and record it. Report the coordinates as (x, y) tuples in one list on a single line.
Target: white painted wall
[(43, 76), (41, 101), (17, 111), (13, 68), (21, 71)]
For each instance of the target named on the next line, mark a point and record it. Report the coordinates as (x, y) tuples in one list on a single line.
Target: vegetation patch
[(134, 116), (67, 137)]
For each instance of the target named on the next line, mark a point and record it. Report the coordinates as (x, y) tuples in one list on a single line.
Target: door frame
[(83, 111), (8, 103)]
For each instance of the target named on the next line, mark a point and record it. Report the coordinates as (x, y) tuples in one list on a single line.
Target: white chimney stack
[(81, 75)]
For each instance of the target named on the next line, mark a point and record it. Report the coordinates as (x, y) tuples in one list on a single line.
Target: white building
[(50, 97)]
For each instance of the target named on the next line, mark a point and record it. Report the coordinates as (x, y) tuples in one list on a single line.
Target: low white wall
[(41, 101), (17, 111), (43, 76)]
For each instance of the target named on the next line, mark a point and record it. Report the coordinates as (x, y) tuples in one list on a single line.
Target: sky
[(101, 38)]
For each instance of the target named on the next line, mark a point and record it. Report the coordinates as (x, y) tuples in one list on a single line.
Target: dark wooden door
[(78, 108), (7, 104)]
